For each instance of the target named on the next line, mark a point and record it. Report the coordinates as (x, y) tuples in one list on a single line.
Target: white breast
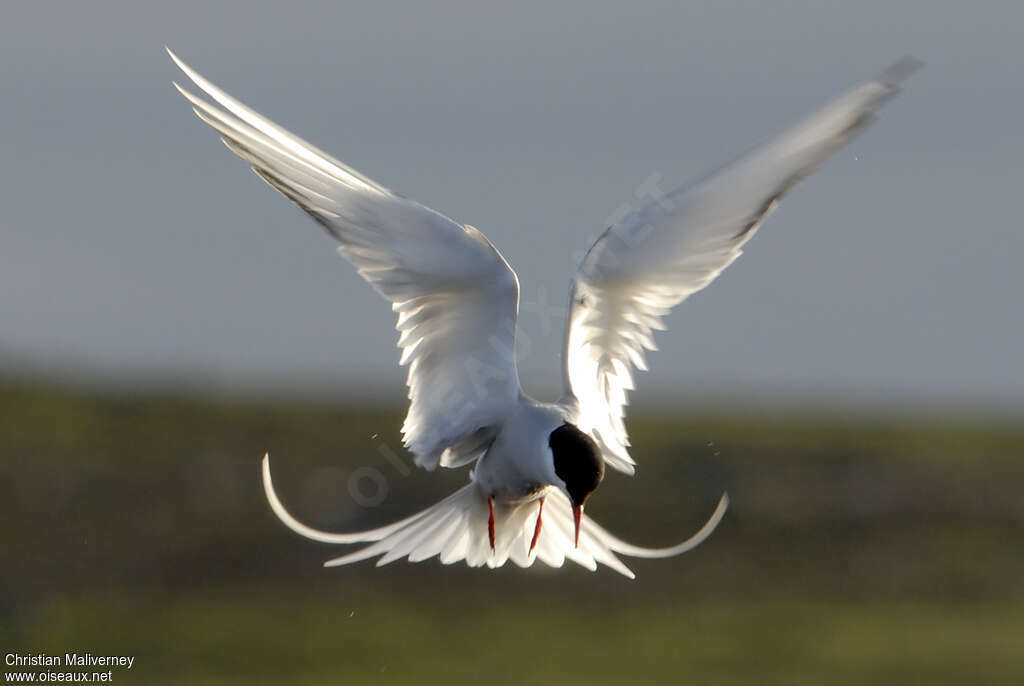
[(518, 464)]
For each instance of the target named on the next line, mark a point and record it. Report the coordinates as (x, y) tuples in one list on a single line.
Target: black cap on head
[(578, 461)]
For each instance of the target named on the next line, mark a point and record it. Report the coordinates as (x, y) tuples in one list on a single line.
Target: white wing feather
[(676, 245), (455, 295)]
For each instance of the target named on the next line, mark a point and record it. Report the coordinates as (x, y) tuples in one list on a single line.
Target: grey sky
[(132, 242)]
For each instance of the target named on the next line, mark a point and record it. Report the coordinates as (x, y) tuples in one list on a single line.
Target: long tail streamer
[(455, 529)]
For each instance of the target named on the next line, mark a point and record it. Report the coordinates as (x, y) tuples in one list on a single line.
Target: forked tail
[(456, 529)]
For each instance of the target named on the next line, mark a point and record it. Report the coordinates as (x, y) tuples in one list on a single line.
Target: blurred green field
[(858, 551)]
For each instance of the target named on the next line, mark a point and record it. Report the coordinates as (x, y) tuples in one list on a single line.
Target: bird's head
[(578, 463)]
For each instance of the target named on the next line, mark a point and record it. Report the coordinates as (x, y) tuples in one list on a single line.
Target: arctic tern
[(457, 298)]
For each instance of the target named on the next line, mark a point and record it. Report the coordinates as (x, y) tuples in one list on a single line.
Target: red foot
[(536, 527), (490, 521)]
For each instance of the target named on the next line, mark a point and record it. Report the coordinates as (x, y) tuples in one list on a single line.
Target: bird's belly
[(503, 482), (523, 494)]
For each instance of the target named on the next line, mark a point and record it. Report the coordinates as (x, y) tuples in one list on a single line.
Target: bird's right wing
[(660, 254), (455, 295)]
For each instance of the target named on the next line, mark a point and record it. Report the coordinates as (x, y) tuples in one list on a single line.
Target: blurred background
[(854, 380)]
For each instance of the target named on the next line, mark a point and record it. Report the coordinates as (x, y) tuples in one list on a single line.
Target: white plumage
[(451, 530), (456, 300)]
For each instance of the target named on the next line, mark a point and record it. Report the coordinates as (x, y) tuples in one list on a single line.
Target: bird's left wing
[(658, 255), (456, 297)]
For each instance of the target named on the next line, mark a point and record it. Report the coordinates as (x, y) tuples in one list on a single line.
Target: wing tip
[(177, 60), (900, 70)]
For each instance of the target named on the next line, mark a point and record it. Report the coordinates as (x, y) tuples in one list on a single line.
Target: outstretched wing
[(676, 245), (455, 295)]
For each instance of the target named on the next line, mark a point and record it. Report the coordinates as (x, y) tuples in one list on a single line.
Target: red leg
[(490, 521), (536, 527)]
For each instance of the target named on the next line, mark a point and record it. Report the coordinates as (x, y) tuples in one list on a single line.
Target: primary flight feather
[(456, 300)]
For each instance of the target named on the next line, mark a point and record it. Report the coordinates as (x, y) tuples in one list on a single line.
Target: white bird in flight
[(457, 299)]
